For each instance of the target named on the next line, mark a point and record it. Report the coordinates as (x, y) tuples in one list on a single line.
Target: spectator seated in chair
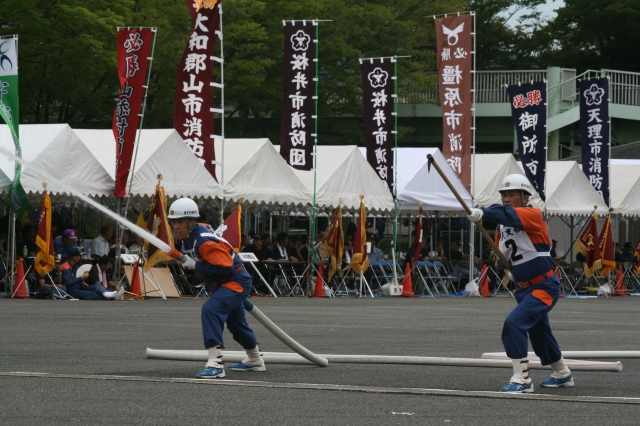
[(100, 244), (281, 251), (627, 256), (65, 242), (76, 286), (50, 285), (99, 275), (123, 245)]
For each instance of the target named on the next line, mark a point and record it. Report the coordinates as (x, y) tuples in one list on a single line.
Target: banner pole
[(222, 141), (315, 155), (395, 163), (473, 154)]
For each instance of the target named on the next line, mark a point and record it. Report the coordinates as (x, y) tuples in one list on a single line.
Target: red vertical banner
[(134, 45), (298, 94), (193, 107), (455, 64), (232, 229)]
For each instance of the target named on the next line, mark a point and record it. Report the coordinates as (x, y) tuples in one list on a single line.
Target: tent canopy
[(160, 151), (625, 189), (254, 169), (569, 192), (342, 172), (490, 170), (54, 151), (425, 184)]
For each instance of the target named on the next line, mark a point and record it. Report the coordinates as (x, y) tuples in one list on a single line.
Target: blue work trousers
[(530, 321), (225, 305)]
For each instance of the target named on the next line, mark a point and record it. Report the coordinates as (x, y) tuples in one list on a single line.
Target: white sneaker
[(109, 294), (120, 294)]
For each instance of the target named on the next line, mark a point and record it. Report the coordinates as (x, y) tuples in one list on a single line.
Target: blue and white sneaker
[(552, 382), (211, 373), (244, 367), (513, 387)]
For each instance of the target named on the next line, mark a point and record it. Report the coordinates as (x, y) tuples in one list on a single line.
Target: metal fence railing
[(624, 87)]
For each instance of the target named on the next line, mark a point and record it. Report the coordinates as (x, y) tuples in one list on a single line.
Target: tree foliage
[(68, 70)]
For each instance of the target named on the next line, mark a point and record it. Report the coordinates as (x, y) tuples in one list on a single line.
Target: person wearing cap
[(523, 237), (76, 286), (65, 242), (214, 259)]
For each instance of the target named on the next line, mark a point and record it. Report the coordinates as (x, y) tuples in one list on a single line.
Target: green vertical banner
[(9, 110)]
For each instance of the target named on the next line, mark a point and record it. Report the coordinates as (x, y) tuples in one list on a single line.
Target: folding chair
[(444, 276), (299, 277), (425, 276), (379, 274), (565, 281)]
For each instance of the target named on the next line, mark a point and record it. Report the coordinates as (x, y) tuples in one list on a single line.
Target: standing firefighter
[(214, 259), (523, 237)]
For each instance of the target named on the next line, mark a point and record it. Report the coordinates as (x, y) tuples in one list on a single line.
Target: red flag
[(637, 255), (134, 45), (589, 245), (606, 249), (45, 258), (359, 260), (454, 38), (193, 106), (417, 239), (333, 243), (233, 231), (158, 225)]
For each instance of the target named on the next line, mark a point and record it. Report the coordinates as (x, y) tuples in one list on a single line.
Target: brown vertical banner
[(378, 99), (297, 124), (193, 106), (455, 44)]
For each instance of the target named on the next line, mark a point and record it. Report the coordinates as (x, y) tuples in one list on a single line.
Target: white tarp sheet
[(255, 170), (53, 150)]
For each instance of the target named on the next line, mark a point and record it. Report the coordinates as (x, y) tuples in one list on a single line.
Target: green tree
[(67, 58)]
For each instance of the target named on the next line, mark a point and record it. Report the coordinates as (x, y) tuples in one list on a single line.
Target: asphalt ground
[(84, 362)]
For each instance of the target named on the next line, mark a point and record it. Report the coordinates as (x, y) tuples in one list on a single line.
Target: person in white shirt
[(100, 244)]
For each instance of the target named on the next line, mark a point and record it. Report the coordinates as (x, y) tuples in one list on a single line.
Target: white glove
[(510, 275), (476, 215), (187, 262)]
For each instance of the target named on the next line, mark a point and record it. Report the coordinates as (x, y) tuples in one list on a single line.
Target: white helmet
[(516, 182), (183, 207)]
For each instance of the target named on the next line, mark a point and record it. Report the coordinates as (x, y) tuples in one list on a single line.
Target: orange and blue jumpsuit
[(220, 267), (523, 237)]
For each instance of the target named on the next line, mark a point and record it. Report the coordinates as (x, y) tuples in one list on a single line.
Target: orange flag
[(232, 230), (158, 225), (588, 244), (359, 260), (606, 249), (333, 243), (45, 258)]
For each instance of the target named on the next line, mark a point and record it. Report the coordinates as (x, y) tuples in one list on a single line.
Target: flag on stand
[(45, 258), (232, 230), (333, 243), (417, 240), (141, 222), (158, 225), (607, 251), (359, 260), (589, 246)]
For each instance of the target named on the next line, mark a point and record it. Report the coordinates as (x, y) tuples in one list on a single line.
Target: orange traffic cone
[(407, 284), (20, 283), (135, 279), (484, 282), (620, 289), (319, 290)]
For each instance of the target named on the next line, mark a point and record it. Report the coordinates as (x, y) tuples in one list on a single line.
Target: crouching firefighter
[(213, 258), (523, 237)]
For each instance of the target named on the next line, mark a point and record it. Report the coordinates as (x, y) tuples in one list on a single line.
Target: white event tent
[(53, 151), (426, 185), (254, 169), (625, 189), (490, 170), (342, 172), (569, 192), (160, 151)]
